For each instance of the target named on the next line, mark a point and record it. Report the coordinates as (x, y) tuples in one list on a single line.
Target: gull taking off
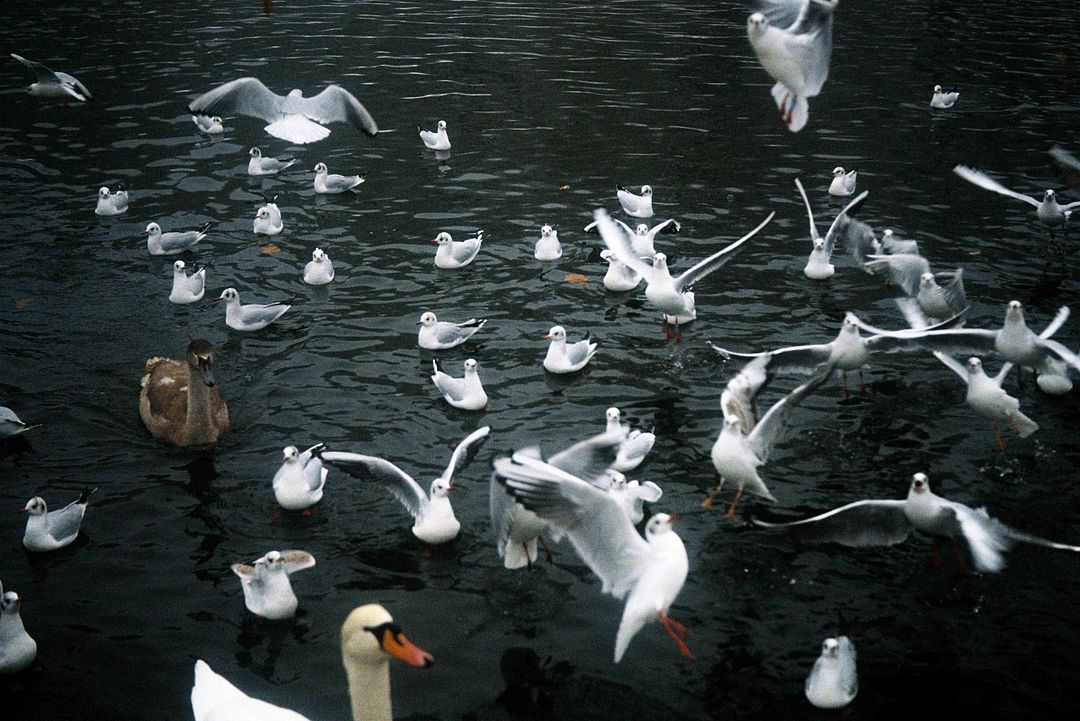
[(794, 46), (267, 590), (49, 530), (293, 117), (1047, 210), (888, 522), (642, 237), (637, 445), (49, 84), (435, 521), (819, 265), (211, 125)]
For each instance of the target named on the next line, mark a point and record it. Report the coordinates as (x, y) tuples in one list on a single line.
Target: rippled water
[(548, 105)]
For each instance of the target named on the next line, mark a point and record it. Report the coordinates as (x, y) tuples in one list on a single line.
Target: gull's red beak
[(547, 337)]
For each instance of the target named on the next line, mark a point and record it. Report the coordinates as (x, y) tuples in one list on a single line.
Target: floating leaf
[(269, 249), (22, 303), (576, 278), (564, 187)]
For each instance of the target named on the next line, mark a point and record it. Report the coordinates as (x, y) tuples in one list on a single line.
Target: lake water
[(549, 105)]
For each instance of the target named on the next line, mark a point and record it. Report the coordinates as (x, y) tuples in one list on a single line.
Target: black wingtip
[(206, 227), (619, 187), (85, 497)]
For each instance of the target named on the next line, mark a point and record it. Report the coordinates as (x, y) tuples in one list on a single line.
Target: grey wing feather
[(953, 365), (859, 239), (1058, 321), (984, 181), (716, 260), (1063, 353), (74, 82), (246, 96), (797, 359), (618, 240), (841, 220), (500, 506), (862, 523), (397, 481), (448, 385), (767, 431), (65, 523), (961, 341), (905, 269), (740, 394), (588, 459), (1028, 538), (43, 73), (336, 104), (809, 213), (465, 452), (297, 560)]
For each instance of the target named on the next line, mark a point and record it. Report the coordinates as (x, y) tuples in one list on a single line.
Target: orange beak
[(402, 648), (22, 510), (547, 337)]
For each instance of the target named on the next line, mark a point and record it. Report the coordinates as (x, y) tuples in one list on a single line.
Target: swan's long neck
[(199, 420), (369, 689)]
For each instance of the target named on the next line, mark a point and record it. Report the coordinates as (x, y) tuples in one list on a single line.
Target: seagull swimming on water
[(466, 392), (436, 334), (252, 316), (793, 43), (331, 183), (456, 254), (320, 269), (299, 482), (187, 288), (292, 117), (438, 140), (435, 521), (173, 242), (888, 522), (109, 203), (563, 357), (259, 165), (17, 648), (987, 398), (833, 681), (49, 84), (942, 100), (638, 206), (49, 530), (211, 125), (842, 184)]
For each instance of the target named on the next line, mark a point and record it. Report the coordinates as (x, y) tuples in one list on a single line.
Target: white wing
[(588, 459), (716, 260), (397, 481), (1056, 323), (862, 523), (986, 536), (465, 452), (841, 221), (983, 180), (809, 213), (905, 270), (767, 431), (296, 561), (1064, 158), (618, 241), (246, 96), (336, 104), (598, 529)]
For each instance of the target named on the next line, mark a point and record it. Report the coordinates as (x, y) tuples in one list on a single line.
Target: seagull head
[(546, 230), (849, 325), (937, 88), (608, 254), (1014, 312), (618, 481), (35, 506), (178, 267), (660, 524), (470, 366), (646, 191), (427, 320), (439, 488), (291, 454), (442, 125), (837, 171), (320, 168), (229, 295), (442, 238), (920, 483), (103, 192), (819, 244), (153, 229), (659, 261), (641, 229), (756, 24), (10, 602), (318, 255), (255, 153), (974, 366), (1049, 196), (556, 333), (732, 424), (926, 280), (830, 648), (263, 214)]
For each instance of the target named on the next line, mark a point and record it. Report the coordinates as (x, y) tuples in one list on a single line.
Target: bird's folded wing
[(465, 452), (66, 522), (397, 481), (449, 386), (597, 527), (718, 259), (862, 523)]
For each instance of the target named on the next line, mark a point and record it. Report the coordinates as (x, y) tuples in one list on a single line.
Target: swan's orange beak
[(394, 643)]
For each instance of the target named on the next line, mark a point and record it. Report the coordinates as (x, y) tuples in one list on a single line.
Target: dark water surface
[(549, 105)]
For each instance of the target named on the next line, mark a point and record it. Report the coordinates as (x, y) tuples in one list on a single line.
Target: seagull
[(49, 530), (268, 220), (903, 269), (517, 529), (17, 649), (293, 117), (636, 446), (671, 295), (863, 245), (649, 572), (466, 392), (331, 183), (11, 425), (173, 242), (267, 591), (299, 482), (638, 206), (888, 522), (795, 52), (51, 84), (456, 254), (833, 681), (440, 335), (943, 101), (843, 184), (438, 140), (187, 288), (642, 236), (258, 165), (1047, 210), (849, 351), (211, 125), (619, 276), (818, 266), (987, 398), (109, 203), (567, 358), (1017, 343), (320, 269), (744, 445), (547, 247), (633, 495), (942, 301), (252, 316), (435, 521)]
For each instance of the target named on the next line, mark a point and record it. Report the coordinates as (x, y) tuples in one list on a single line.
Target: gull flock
[(580, 494)]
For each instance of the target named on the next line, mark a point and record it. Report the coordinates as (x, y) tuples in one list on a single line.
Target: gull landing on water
[(435, 521), (293, 117), (641, 237), (888, 522), (794, 46), (987, 398)]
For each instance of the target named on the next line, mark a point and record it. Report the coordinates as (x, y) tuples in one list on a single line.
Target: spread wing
[(246, 96), (797, 359), (336, 104), (981, 179), (809, 213), (862, 523), (465, 452), (296, 560), (740, 394), (716, 260), (618, 241), (588, 459), (397, 481), (44, 75), (767, 431), (598, 529), (1058, 321), (904, 270), (841, 221)]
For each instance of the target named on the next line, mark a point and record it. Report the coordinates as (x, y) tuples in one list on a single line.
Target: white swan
[(369, 637)]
